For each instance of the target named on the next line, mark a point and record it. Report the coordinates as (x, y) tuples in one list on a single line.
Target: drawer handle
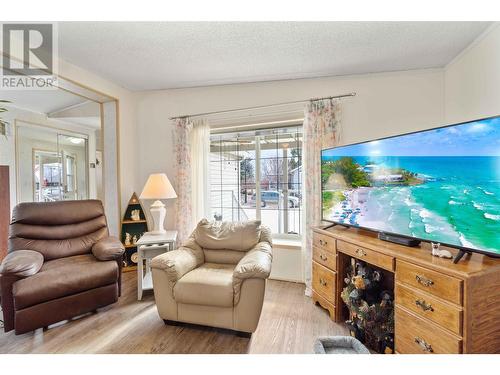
[(423, 305), (323, 257), (323, 243), (424, 280), (360, 252), (322, 282), (426, 347)]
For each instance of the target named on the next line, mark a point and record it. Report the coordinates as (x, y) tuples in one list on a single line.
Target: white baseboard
[(286, 279)]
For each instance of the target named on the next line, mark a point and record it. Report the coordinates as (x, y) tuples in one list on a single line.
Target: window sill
[(288, 243)]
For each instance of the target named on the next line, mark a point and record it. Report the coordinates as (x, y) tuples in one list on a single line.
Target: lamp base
[(158, 212)]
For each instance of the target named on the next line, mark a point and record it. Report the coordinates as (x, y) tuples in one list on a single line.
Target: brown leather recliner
[(61, 263)]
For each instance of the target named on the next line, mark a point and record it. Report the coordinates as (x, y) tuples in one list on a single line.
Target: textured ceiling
[(146, 56)]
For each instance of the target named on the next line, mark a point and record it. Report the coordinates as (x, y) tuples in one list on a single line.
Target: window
[(258, 175), (47, 176), (52, 180)]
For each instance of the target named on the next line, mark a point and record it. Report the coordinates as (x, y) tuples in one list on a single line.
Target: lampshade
[(158, 187)]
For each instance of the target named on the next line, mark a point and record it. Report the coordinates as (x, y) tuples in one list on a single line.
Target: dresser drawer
[(324, 242), (377, 259), (416, 336), (323, 282), (325, 258), (433, 282), (422, 304)]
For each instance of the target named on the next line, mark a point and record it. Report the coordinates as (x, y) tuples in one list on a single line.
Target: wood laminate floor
[(289, 323)]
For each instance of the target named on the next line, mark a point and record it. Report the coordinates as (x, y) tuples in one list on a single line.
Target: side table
[(149, 246)]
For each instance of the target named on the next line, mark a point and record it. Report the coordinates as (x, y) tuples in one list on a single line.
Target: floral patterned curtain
[(192, 148), (322, 129), (183, 214)]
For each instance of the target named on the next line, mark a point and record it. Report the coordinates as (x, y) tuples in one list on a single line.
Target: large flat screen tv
[(440, 185)]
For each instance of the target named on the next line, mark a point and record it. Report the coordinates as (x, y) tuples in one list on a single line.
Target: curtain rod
[(265, 106)]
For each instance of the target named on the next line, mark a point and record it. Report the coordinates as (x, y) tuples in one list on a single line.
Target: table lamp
[(158, 187)]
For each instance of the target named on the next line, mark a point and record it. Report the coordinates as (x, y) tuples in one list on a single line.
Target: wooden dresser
[(440, 307)]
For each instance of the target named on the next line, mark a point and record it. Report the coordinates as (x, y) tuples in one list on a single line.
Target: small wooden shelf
[(133, 221), (135, 228)]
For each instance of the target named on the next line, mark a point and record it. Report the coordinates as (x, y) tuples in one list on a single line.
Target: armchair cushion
[(210, 284), (255, 264), (240, 236), (108, 248), (63, 277), (178, 262), (21, 263)]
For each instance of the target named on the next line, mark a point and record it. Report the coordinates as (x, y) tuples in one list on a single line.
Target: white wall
[(472, 80), (287, 262), (386, 104)]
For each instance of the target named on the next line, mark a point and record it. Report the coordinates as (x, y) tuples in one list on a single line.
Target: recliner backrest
[(236, 236), (223, 256), (57, 229)]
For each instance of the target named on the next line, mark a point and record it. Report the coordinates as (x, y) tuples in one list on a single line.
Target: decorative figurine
[(435, 248), (134, 239), (135, 215), (127, 239), (437, 252)]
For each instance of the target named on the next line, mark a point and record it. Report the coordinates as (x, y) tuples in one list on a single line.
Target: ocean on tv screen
[(440, 185)]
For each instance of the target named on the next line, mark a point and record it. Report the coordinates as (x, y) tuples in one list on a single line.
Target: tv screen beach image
[(440, 185)]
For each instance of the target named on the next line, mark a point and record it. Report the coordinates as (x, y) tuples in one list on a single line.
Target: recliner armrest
[(21, 263), (177, 263), (256, 263), (108, 248)]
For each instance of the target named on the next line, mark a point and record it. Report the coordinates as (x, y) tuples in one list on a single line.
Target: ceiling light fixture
[(76, 141)]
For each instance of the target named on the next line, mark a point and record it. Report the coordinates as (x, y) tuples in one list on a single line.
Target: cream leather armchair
[(217, 278)]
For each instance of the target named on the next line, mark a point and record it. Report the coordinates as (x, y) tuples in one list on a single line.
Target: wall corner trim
[(474, 43)]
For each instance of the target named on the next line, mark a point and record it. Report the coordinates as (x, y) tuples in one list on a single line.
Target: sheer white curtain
[(192, 152), (322, 129), (200, 168)]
